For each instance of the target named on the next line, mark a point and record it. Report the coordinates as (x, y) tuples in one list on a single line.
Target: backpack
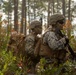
[(42, 49)]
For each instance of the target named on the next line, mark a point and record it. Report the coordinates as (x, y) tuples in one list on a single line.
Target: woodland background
[(16, 15)]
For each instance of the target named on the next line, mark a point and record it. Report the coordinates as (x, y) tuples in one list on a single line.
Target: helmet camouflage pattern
[(35, 24), (55, 18)]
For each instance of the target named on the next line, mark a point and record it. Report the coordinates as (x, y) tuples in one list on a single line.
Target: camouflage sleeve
[(51, 39), (29, 44)]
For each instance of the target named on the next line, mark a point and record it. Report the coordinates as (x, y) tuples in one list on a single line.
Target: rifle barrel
[(71, 51)]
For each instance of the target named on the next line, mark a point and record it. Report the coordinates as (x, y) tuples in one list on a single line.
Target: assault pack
[(43, 50)]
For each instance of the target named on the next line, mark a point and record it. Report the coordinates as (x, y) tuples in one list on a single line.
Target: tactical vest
[(42, 49)]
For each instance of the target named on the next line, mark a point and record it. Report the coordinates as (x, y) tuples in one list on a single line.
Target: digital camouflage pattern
[(56, 44), (53, 45), (53, 41), (35, 24), (56, 17), (30, 44), (32, 38)]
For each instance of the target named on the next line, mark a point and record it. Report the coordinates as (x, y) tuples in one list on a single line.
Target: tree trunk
[(69, 18), (28, 12), (53, 6), (23, 18), (16, 15), (8, 26), (63, 7), (34, 10), (68, 22), (49, 1), (69, 3), (23, 15)]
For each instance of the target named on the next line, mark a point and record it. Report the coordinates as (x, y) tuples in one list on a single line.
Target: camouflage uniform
[(32, 38), (53, 40), (30, 42)]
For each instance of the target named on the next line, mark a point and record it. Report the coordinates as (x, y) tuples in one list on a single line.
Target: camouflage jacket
[(53, 40), (30, 43)]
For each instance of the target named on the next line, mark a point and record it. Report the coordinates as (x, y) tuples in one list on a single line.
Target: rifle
[(41, 20), (69, 47)]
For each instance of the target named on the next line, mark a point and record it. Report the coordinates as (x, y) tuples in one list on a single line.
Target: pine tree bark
[(23, 17), (49, 1), (63, 7), (16, 15), (69, 16)]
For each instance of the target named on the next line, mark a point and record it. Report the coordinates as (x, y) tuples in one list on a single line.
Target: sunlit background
[(42, 13)]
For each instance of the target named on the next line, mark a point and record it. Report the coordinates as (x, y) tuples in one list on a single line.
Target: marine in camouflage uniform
[(16, 44), (30, 42), (54, 43)]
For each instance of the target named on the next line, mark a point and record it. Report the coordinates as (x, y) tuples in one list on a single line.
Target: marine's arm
[(29, 44), (53, 42)]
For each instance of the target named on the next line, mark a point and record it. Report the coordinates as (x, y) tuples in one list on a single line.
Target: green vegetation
[(12, 65)]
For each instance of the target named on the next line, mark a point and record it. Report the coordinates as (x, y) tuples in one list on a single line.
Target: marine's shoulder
[(29, 37), (48, 32)]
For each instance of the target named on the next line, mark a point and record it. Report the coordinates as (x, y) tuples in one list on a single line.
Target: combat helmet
[(35, 24), (56, 18)]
